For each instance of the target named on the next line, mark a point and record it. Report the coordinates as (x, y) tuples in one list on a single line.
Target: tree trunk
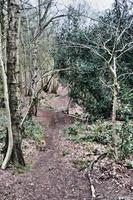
[(114, 109), (9, 139), (12, 75), (2, 16), (33, 85)]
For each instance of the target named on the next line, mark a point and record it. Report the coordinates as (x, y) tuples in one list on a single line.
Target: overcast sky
[(96, 4), (99, 5)]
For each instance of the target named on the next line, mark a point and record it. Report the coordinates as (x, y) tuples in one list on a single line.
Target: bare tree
[(45, 15)]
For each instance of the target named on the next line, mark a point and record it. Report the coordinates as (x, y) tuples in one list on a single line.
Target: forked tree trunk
[(12, 75)]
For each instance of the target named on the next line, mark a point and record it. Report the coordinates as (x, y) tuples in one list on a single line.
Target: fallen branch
[(91, 166), (93, 192), (88, 174)]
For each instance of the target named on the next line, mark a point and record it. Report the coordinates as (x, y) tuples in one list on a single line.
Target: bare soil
[(50, 178)]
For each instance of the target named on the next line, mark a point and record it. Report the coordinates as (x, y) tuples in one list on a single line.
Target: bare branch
[(104, 47), (125, 74), (124, 30), (46, 11), (46, 24), (126, 50), (90, 47), (124, 47)]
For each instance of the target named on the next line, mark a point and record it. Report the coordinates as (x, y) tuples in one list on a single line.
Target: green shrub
[(125, 146), (75, 132), (125, 112), (98, 132), (101, 132), (75, 129), (33, 130)]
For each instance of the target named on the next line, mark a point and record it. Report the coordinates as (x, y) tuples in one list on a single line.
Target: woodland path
[(50, 178)]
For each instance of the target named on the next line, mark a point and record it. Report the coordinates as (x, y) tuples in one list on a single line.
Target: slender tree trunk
[(114, 133), (33, 80), (114, 109), (9, 146), (12, 75), (29, 70), (24, 71)]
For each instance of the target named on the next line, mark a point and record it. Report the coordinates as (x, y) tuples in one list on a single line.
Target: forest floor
[(54, 174)]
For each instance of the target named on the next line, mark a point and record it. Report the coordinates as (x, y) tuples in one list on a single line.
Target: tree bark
[(114, 109), (2, 16), (12, 75), (9, 145)]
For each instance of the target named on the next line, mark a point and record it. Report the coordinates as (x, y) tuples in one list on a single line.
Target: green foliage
[(75, 129), (33, 130), (101, 132), (125, 112), (125, 146), (74, 138), (89, 78), (129, 164), (75, 132)]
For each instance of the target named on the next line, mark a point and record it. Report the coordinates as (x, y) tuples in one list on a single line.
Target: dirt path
[(54, 176), (51, 178)]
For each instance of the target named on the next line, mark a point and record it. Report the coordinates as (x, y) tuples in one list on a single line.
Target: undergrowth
[(101, 132), (33, 130), (20, 170)]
